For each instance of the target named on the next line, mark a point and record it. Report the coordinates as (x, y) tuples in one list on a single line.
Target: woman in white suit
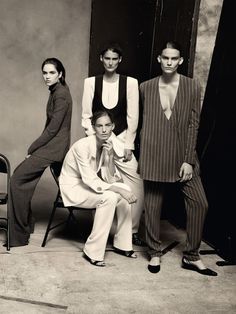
[(119, 95), (89, 179)]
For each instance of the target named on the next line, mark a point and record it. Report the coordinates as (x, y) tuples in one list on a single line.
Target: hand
[(127, 155), (108, 147), (108, 152), (129, 196), (186, 172)]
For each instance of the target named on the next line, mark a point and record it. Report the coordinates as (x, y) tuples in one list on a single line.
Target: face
[(170, 60), (103, 128), (110, 61), (50, 74)]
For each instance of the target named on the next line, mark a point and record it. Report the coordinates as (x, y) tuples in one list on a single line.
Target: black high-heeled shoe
[(130, 254), (186, 264), (94, 262), (154, 268)]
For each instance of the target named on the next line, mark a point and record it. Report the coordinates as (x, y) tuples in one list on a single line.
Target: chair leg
[(49, 224), (8, 234)]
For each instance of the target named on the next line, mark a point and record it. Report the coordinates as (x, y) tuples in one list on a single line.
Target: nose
[(103, 129), (169, 62), (110, 62)]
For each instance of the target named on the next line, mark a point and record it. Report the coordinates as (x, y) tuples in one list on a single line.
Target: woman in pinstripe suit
[(171, 113)]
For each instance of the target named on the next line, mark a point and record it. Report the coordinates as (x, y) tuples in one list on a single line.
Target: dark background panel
[(175, 20), (129, 23), (140, 27), (216, 141)]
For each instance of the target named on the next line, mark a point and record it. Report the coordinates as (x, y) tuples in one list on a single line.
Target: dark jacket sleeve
[(60, 107), (190, 154)]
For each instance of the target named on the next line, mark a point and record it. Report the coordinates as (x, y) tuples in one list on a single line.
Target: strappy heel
[(94, 262), (130, 253)]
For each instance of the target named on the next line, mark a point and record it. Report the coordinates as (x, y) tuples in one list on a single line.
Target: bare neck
[(168, 79), (110, 77)]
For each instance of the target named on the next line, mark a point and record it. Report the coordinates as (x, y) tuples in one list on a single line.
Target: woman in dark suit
[(51, 146)]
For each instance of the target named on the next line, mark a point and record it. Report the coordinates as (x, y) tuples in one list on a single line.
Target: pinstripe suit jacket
[(166, 144)]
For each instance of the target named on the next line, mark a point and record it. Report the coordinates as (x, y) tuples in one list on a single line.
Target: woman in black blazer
[(51, 146)]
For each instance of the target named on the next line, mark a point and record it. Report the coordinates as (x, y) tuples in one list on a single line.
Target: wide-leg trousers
[(196, 208), (130, 177), (22, 186), (107, 205)]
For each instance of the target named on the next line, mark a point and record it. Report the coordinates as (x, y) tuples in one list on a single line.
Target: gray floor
[(57, 279)]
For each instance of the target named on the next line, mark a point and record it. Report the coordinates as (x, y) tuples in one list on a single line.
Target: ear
[(120, 59), (181, 60), (113, 126), (101, 58), (159, 59), (60, 74)]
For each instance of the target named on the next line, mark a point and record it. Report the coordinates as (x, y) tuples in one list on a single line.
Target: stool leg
[(49, 223)]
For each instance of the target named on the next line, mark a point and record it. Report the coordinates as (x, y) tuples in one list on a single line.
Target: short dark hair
[(99, 114), (114, 47), (59, 67), (171, 44)]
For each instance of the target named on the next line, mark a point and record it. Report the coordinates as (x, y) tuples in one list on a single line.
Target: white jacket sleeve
[(87, 100), (132, 111)]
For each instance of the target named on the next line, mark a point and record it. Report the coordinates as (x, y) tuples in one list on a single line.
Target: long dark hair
[(59, 67)]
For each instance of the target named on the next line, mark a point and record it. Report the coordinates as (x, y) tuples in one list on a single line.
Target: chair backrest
[(5, 168), (4, 164), (55, 169)]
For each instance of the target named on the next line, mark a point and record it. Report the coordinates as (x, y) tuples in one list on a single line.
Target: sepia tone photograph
[(117, 153)]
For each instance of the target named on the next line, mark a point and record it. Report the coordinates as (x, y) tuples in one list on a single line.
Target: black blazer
[(54, 141)]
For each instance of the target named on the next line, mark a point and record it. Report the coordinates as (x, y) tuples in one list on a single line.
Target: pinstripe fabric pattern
[(165, 146), (196, 208)]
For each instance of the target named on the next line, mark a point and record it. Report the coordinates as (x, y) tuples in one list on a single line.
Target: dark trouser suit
[(196, 207), (23, 184)]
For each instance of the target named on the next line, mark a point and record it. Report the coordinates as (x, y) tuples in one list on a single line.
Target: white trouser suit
[(110, 99), (81, 187)]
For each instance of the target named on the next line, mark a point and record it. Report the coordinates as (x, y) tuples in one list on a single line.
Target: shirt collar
[(53, 87)]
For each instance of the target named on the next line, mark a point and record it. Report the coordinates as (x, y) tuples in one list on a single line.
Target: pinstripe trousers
[(196, 206)]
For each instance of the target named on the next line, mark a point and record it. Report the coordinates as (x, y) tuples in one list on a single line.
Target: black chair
[(55, 169), (5, 169)]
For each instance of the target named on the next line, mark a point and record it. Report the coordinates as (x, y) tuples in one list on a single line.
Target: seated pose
[(89, 179), (119, 95), (52, 145)]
